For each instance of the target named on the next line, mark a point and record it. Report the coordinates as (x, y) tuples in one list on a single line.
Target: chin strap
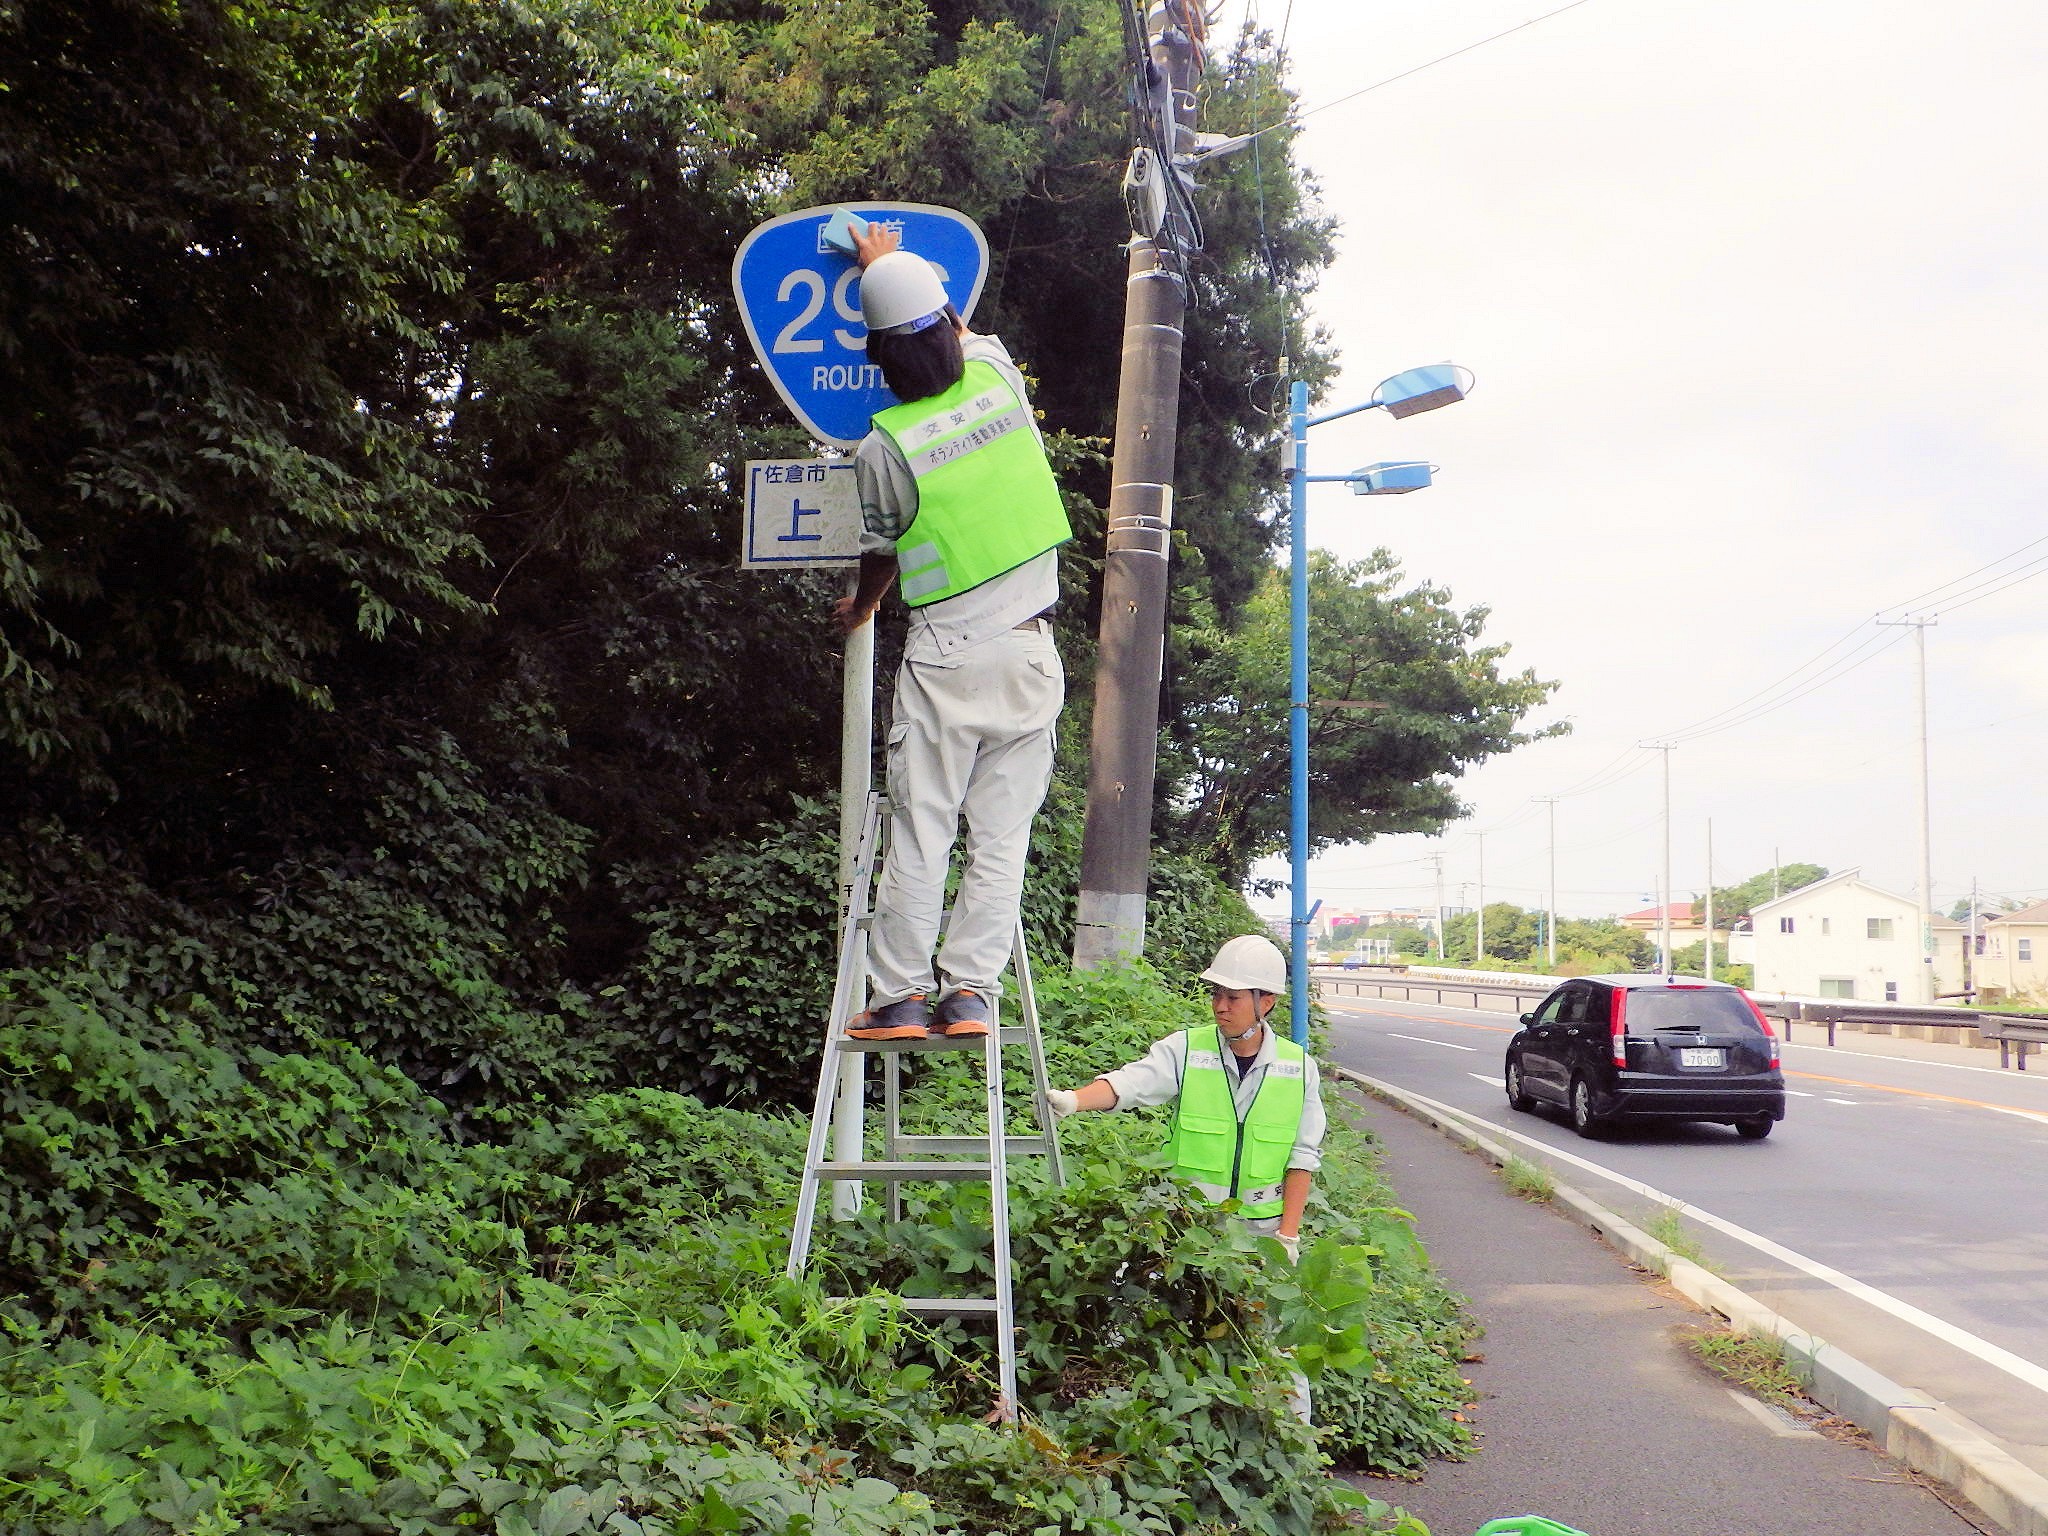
[(1245, 1035)]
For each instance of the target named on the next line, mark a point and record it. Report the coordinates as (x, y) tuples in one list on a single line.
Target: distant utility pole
[(1926, 899), (1116, 838), (1439, 860), (1664, 900), (1970, 947), (1550, 918), (1479, 924), (1708, 969)]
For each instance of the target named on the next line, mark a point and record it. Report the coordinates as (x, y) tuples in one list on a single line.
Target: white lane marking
[(1444, 1043), (1777, 1424), (1852, 1103), (2004, 1359), (1491, 1082), (1798, 1093), (1843, 1053)]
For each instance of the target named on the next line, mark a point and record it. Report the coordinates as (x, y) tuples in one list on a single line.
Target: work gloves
[(1062, 1102)]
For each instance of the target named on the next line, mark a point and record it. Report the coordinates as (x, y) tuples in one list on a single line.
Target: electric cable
[(1916, 602), (1295, 118)]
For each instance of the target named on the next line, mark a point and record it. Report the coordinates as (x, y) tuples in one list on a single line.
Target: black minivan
[(1613, 1048)]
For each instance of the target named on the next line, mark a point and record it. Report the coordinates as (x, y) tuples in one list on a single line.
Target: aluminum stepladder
[(908, 1158)]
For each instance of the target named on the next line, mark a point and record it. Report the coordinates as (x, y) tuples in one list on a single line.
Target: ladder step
[(943, 1306), (1016, 1146), (1010, 1035), (904, 1172), (951, 1306)]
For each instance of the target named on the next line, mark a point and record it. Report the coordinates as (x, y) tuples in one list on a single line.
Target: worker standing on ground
[(1248, 1106), (957, 499)]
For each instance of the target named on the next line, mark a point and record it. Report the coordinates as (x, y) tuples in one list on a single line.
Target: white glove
[(1292, 1245), (1062, 1101)]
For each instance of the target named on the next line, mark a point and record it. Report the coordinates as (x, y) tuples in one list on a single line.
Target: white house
[(1844, 937)]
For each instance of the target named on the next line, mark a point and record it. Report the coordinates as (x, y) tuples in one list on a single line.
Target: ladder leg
[(999, 1221), (892, 1124), (1034, 1045), (843, 1001)]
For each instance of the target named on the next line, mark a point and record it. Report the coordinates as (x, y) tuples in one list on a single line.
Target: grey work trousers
[(972, 734)]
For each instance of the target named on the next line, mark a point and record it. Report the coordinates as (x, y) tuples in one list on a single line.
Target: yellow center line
[(1916, 1093)]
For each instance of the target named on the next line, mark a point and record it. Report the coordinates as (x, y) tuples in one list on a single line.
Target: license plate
[(1700, 1056)]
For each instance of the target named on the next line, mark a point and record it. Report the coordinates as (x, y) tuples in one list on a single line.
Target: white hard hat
[(1250, 964), (899, 289)]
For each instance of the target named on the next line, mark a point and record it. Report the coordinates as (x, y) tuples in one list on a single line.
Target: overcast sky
[(1753, 294)]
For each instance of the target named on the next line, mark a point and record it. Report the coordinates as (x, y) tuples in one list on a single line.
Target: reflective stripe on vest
[(1222, 1156), (986, 498)]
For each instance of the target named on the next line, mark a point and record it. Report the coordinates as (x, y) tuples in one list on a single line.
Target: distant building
[(1686, 930), (1844, 937), (2011, 959)]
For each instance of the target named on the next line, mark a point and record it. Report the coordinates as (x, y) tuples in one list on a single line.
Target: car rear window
[(1685, 1008)]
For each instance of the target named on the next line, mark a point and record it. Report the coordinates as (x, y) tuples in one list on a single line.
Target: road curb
[(1912, 1427)]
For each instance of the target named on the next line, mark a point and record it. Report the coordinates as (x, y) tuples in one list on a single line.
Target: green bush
[(287, 1296)]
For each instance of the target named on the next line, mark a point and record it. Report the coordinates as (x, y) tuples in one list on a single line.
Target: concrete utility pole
[(1550, 918), (1116, 838), (1664, 896), (1707, 968), (1925, 903), (1479, 913), (1439, 858), (1970, 947)]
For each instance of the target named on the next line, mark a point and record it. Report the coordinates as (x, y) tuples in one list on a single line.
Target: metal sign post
[(799, 298)]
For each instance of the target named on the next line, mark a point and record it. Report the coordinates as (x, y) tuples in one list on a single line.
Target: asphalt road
[(1900, 1211)]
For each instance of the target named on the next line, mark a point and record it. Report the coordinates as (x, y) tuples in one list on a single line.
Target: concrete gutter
[(1909, 1425)]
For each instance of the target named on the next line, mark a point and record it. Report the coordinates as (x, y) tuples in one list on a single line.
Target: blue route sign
[(800, 300)]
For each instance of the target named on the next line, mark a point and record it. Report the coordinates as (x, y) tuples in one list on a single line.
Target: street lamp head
[(1423, 389), (1390, 479)]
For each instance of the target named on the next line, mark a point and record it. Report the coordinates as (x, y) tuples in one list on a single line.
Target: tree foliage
[(1402, 699), (1515, 940), (1734, 901)]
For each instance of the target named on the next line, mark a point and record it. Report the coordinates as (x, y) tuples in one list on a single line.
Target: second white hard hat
[(1250, 963), (899, 289)]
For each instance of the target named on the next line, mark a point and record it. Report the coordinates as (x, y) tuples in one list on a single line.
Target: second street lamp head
[(1423, 389), (1390, 479)]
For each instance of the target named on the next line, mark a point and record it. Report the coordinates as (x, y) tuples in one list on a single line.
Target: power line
[(1295, 119), (1913, 602)]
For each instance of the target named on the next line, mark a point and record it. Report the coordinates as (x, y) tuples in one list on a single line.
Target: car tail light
[(1764, 1024), (1617, 1027)]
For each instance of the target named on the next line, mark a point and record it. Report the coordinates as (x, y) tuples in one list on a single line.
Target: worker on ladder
[(1248, 1106), (958, 498)]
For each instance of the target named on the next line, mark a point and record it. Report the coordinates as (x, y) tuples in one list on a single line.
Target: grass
[(1530, 1180), (1668, 1228), (1757, 1364)]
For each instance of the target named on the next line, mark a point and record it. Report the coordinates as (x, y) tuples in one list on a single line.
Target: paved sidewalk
[(1590, 1411)]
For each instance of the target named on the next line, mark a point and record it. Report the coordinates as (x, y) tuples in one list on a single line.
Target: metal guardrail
[(1434, 989), (2010, 1030)]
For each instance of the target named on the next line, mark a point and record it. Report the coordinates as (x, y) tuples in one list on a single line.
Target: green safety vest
[(986, 498), (1227, 1158)]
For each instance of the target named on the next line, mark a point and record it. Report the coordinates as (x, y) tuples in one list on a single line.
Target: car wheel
[(1755, 1128), (1518, 1091), (1584, 1120)]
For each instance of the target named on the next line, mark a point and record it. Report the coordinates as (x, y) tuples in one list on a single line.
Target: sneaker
[(963, 1013), (905, 1020)]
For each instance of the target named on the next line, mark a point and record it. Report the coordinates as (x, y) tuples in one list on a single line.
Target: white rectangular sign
[(801, 512)]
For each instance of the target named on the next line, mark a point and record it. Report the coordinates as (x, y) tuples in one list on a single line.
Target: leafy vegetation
[(1531, 1181), (315, 1308), (1515, 942)]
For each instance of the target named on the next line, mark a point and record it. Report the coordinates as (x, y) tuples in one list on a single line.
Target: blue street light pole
[(1405, 394)]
